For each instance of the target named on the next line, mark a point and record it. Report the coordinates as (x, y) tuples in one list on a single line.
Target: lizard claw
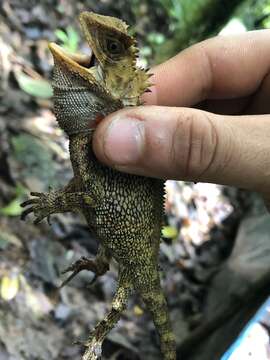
[(82, 264), (26, 211), (95, 265), (38, 205)]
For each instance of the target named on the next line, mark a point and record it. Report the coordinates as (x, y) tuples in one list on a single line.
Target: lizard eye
[(114, 47)]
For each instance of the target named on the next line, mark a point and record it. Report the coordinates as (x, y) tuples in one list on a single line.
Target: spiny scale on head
[(122, 78), (106, 21)]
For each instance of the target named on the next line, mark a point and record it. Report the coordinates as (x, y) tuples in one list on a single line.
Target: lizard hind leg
[(119, 303)]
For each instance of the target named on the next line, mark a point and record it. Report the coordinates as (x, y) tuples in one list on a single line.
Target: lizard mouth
[(83, 65), (82, 60)]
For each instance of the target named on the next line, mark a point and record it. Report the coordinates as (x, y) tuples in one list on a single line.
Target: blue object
[(243, 340)]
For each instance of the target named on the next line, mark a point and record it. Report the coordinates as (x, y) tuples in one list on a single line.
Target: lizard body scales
[(125, 211)]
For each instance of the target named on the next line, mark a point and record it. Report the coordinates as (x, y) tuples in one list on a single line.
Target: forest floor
[(37, 320)]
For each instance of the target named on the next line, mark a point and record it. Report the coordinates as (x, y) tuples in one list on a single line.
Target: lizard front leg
[(42, 205), (68, 199)]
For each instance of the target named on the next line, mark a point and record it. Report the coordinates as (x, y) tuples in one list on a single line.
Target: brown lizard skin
[(124, 211)]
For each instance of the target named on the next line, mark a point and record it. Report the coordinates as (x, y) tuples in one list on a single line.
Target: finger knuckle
[(194, 144), (205, 69)]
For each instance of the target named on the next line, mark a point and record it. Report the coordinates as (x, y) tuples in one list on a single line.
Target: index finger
[(224, 67)]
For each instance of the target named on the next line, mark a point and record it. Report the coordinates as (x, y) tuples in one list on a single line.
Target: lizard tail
[(156, 304)]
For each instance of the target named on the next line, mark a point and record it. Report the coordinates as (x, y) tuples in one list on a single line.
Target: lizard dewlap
[(124, 211)]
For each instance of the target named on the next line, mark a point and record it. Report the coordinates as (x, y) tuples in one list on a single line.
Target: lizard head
[(88, 87), (116, 55), (111, 68)]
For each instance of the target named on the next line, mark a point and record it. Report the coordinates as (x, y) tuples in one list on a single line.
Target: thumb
[(187, 144)]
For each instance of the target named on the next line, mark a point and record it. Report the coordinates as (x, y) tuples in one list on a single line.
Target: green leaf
[(9, 287), (169, 232), (35, 87), (61, 35), (13, 208), (69, 38), (156, 38), (73, 39)]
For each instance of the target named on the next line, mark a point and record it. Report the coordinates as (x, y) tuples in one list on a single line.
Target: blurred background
[(215, 251)]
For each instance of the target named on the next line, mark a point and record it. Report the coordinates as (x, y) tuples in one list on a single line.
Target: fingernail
[(124, 140)]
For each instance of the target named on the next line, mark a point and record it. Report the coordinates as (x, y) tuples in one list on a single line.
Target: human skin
[(206, 119)]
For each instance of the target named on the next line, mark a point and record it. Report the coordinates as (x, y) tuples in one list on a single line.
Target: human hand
[(225, 139)]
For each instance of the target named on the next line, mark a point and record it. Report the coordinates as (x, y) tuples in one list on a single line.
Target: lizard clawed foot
[(98, 268), (38, 205)]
